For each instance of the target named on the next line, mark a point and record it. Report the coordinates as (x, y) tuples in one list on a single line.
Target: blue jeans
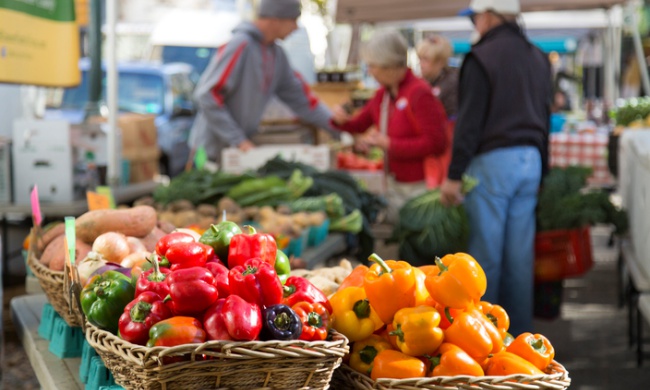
[(501, 211)]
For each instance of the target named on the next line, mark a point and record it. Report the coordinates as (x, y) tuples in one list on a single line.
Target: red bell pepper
[(252, 245), (140, 315), (153, 279), (221, 280), (257, 282), (166, 241), (191, 290), (186, 255), (210, 255), (176, 331), (315, 320), (233, 318), (297, 289)]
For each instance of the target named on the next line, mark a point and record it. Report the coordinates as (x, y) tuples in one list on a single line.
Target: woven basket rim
[(42, 271), (143, 356), (557, 377)]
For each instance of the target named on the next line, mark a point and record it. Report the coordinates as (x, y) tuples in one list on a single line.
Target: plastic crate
[(561, 254), (45, 327), (87, 353), (66, 341), (318, 234)]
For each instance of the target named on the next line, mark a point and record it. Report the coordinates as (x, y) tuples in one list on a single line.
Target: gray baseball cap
[(281, 9)]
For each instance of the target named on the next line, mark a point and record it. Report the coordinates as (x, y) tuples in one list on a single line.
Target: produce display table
[(52, 372)]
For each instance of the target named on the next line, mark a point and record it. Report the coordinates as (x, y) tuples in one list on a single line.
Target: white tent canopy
[(370, 11)]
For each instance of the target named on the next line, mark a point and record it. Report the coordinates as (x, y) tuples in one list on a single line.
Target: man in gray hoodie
[(243, 76)]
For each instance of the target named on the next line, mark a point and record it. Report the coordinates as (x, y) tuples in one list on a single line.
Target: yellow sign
[(39, 43)]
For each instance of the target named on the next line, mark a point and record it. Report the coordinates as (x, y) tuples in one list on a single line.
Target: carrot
[(137, 221)]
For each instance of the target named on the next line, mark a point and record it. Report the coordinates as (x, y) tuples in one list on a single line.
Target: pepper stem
[(314, 319), (538, 345), (140, 311), (492, 318), (441, 266), (448, 315), (398, 332), (156, 275), (282, 321), (382, 264), (251, 230), (368, 354), (287, 290), (435, 361), (361, 308), (249, 270)]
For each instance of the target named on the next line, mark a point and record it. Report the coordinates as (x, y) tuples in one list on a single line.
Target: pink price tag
[(36, 207)]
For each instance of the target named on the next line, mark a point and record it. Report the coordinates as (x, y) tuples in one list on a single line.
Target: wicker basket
[(557, 378), (52, 282), (220, 364)]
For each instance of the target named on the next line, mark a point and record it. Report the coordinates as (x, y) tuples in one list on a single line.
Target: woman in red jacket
[(409, 120)]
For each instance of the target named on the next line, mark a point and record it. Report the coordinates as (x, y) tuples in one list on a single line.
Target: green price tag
[(71, 238), (106, 191), (200, 157)]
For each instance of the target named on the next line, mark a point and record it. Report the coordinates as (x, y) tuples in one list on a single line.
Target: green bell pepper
[(282, 265), (218, 237), (104, 298)]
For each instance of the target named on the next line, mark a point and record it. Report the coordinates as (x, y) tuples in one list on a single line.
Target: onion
[(135, 244), (88, 265), (135, 259), (113, 246)]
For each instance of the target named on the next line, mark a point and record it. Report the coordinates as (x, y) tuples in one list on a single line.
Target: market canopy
[(368, 11)]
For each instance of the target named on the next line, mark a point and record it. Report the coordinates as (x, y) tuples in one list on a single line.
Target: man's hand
[(340, 115), (246, 145), (450, 194)]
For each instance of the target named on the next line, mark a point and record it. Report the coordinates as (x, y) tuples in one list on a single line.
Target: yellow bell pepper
[(417, 330), (353, 315), (364, 352), (422, 296)]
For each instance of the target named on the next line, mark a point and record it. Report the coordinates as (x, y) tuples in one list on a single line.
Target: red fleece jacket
[(416, 121)]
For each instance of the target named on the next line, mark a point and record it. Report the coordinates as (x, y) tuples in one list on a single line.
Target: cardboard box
[(138, 132), (334, 94), (143, 166), (235, 161)]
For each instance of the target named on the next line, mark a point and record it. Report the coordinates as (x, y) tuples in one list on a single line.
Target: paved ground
[(590, 336)]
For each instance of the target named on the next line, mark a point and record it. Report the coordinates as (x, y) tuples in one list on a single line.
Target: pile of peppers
[(228, 285), (412, 322)]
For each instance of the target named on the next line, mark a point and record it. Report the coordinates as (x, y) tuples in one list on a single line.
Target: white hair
[(385, 48)]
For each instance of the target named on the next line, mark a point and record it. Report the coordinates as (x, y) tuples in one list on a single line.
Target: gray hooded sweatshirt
[(236, 87)]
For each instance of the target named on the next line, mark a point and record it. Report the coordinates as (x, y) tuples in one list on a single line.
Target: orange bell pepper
[(468, 333), (427, 269), (498, 315), (451, 360), (536, 348), (446, 313), (460, 282), (417, 330), (422, 296), (365, 351), (396, 365), (385, 334), (355, 279), (390, 286), (490, 328), (353, 315), (507, 363)]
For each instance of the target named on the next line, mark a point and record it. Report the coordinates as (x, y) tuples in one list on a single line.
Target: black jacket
[(505, 96)]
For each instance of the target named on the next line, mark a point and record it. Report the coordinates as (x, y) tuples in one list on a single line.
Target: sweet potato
[(136, 221), (49, 233), (54, 254), (152, 238)]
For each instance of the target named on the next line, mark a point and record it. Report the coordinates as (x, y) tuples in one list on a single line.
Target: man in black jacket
[(501, 138)]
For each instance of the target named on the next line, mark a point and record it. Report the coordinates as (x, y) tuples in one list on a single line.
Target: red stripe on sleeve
[(216, 90), (313, 100)]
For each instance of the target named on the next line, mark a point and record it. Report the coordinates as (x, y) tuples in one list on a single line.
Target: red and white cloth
[(582, 149)]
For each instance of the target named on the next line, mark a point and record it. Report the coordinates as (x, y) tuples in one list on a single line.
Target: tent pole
[(640, 56), (113, 165)]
